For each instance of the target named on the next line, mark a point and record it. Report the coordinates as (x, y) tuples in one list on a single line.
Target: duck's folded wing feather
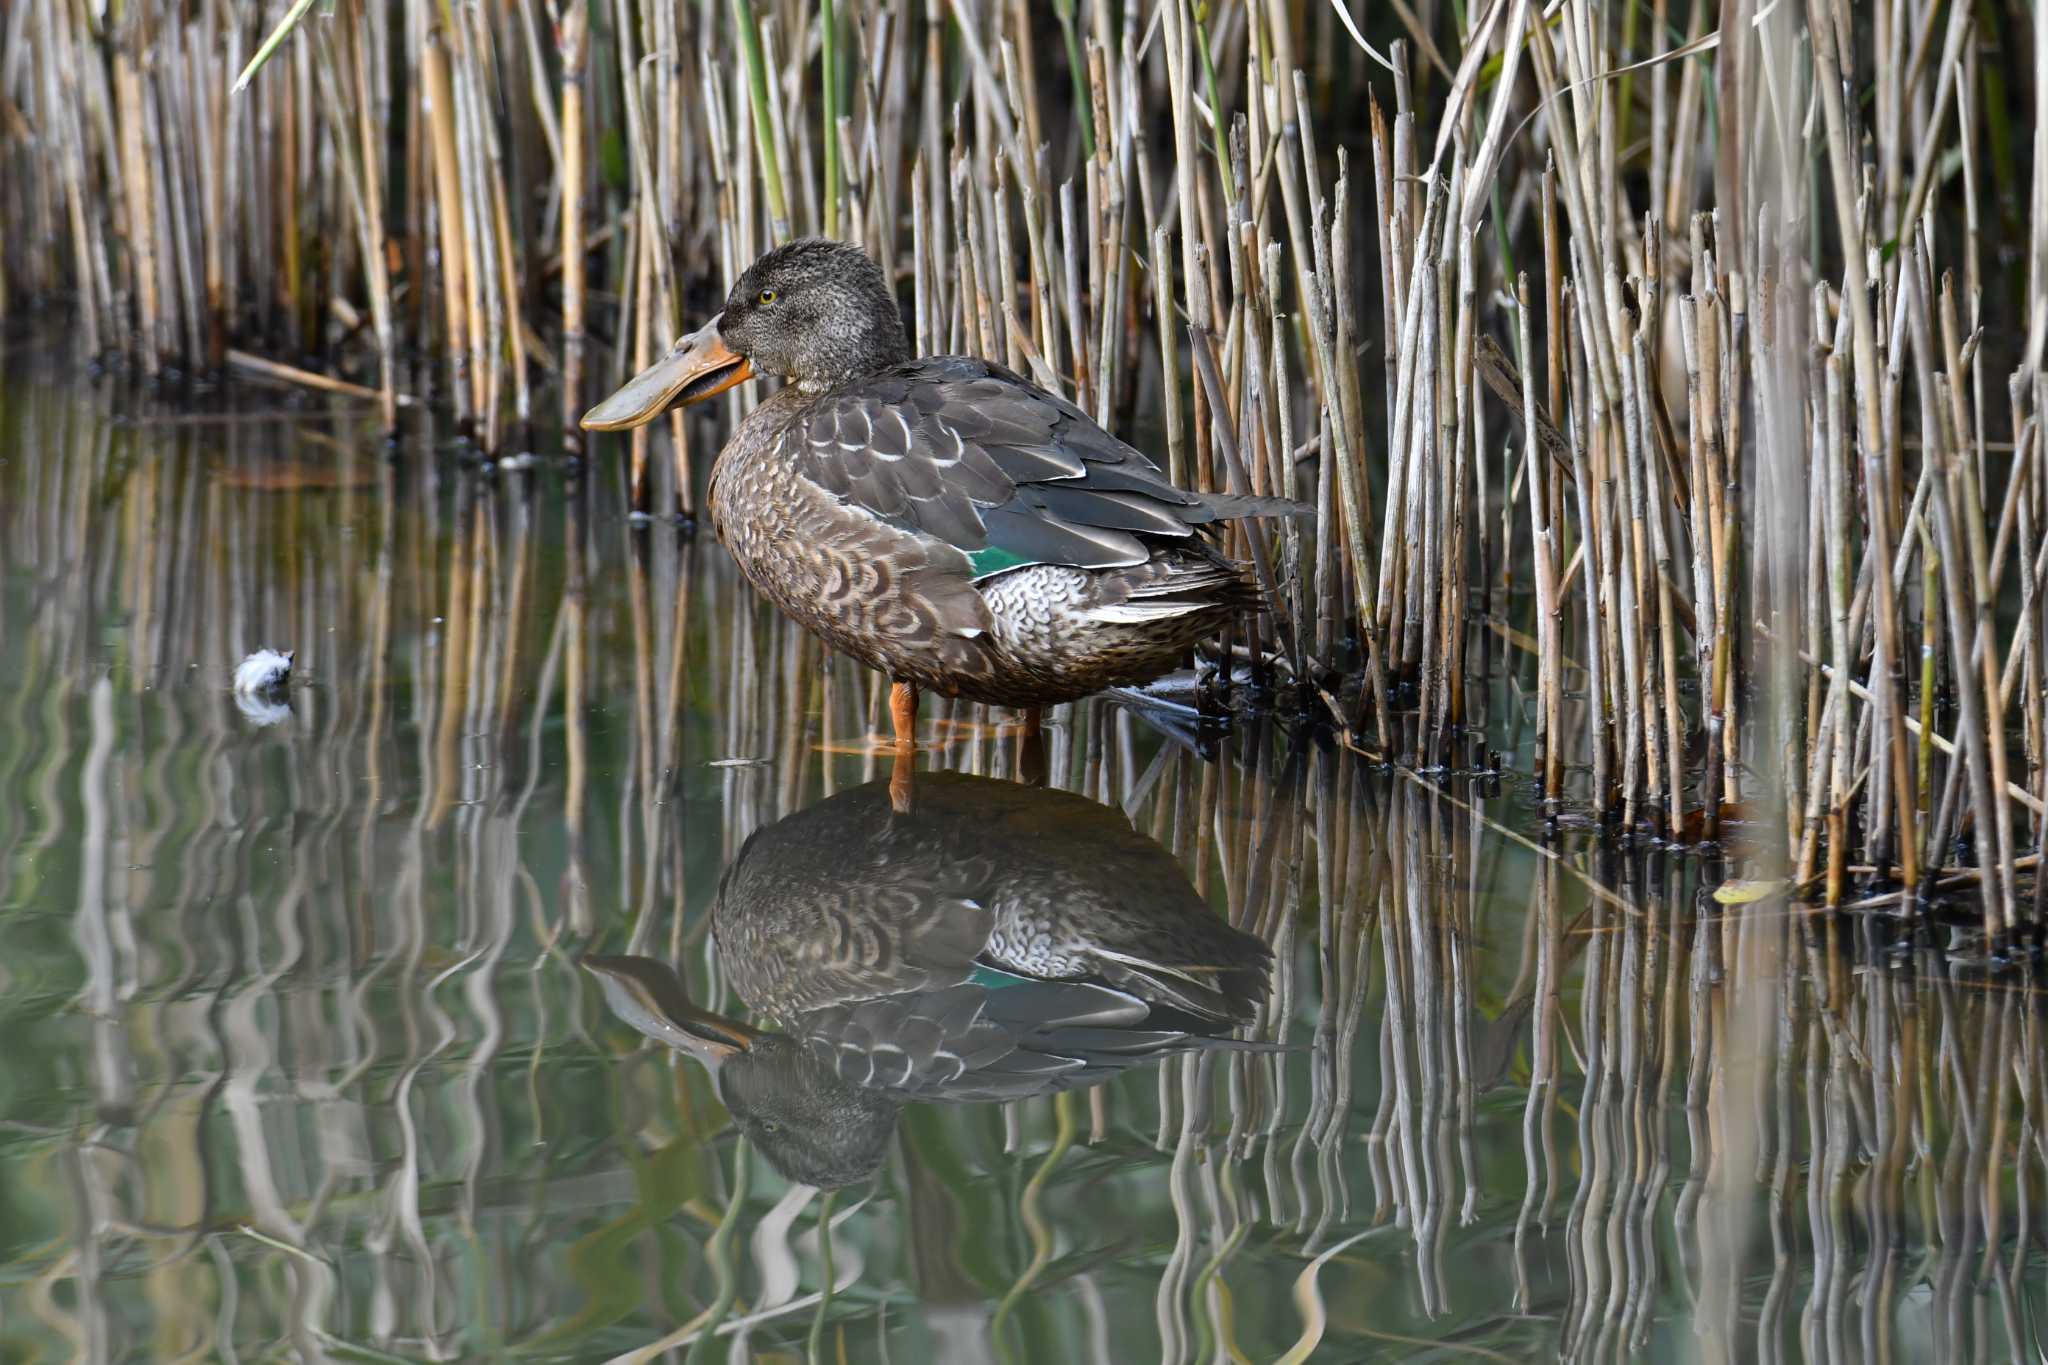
[(971, 454)]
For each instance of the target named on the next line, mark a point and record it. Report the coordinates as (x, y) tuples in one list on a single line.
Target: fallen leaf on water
[(1745, 892)]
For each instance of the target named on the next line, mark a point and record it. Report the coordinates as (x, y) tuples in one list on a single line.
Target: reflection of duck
[(941, 520), (1003, 941)]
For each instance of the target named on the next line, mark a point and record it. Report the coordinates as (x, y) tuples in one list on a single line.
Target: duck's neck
[(872, 345), (751, 448)]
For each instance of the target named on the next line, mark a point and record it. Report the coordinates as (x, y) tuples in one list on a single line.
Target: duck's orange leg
[(1031, 764), (903, 711)]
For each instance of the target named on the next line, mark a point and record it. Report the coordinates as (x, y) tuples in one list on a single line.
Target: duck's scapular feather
[(970, 453)]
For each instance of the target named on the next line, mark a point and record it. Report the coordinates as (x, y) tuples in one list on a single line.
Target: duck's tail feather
[(1224, 994), (1185, 580), (1231, 506)]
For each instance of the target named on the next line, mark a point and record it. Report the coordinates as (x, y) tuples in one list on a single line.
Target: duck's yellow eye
[(766, 296)]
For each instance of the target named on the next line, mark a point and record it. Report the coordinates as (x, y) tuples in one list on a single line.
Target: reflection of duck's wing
[(1076, 892), (850, 937), (1161, 946), (837, 902), (849, 900), (999, 1037)]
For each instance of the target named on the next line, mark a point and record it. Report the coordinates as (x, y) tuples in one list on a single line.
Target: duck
[(1001, 942), (942, 520)]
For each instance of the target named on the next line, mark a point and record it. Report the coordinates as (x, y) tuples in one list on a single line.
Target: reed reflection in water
[(301, 1057)]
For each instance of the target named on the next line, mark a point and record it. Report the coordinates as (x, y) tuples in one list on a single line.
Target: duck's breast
[(898, 601)]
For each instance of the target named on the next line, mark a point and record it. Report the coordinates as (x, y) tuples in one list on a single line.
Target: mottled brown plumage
[(941, 520)]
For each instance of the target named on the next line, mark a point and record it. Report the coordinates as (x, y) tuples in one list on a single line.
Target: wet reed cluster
[(348, 1093), (1639, 358)]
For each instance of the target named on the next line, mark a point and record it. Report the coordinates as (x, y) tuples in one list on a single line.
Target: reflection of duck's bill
[(696, 367), (649, 995)]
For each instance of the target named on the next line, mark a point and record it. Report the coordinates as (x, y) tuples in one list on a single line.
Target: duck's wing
[(969, 453)]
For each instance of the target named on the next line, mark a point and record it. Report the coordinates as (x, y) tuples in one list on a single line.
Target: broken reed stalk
[(1163, 231)]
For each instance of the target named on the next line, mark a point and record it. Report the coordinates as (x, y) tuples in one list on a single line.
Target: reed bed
[(1639, 359), (310, 1068)]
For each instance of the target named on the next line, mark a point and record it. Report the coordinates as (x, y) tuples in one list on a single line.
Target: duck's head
[(812, 1125), (813, 311)]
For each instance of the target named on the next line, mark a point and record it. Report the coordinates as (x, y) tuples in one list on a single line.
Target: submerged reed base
[(1639, 358)]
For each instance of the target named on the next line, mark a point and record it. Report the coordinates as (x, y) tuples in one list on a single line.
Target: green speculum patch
[(995, 560)]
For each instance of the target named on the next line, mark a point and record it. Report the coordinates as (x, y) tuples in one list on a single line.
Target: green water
[(300, 1063)]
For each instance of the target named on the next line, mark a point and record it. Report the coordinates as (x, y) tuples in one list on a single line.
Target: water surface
[(300, 1061)]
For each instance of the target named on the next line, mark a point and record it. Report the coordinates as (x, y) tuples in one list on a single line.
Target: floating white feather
[(266, 670), (260, 682)]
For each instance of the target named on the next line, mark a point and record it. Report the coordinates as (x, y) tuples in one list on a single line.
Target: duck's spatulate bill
[(695, 368)]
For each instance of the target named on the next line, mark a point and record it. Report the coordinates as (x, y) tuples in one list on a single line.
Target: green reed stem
[(719, 1250), (1033, 1216), (1215, 105), (834, 106), (748, 34), (1077, 68), (284, 28), (814, 1348)]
